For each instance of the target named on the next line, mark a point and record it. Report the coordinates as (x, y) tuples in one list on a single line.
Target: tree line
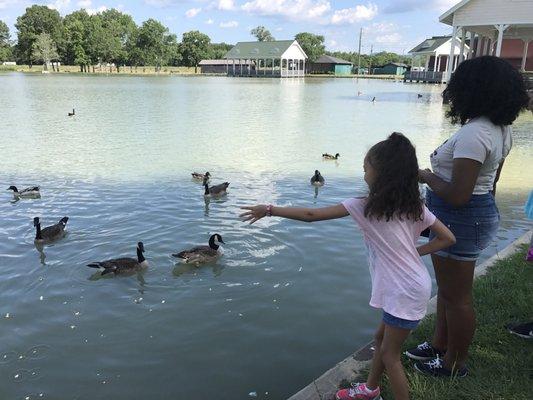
[(113, 37)]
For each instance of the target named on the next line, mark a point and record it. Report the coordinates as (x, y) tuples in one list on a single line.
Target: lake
[(285, 302)]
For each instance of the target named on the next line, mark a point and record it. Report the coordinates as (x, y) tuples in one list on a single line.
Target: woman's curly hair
[(394, 193), (486, 87)]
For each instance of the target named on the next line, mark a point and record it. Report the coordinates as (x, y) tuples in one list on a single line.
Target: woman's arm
[(497, 177), (255, 213), (457, 192), (443, 238)]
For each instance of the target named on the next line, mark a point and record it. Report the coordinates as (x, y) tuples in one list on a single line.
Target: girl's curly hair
[(394, 193), (486, 87)]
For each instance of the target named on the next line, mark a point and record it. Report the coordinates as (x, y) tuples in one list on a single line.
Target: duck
[(201, 177), (216, 190), (33, 191), (73, 113), (317, 179), (202, 254), (124, 265), (330, 157), (50, 233)]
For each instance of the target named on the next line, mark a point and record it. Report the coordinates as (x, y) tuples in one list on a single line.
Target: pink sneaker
[(358, 391)]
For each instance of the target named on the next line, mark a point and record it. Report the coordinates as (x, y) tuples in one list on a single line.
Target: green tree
[(37, 20), (312, 44), (155, 44), (77, 32), (44, 49), (119, 29), (5, 43), (262, 34), (195, 46), (219, 50)]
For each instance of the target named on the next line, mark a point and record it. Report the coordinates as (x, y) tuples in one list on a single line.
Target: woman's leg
[(377, 367), (440, 334), (391, 349), (455, 293)]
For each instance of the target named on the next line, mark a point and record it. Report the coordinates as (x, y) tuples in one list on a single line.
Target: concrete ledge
[(325, 387)]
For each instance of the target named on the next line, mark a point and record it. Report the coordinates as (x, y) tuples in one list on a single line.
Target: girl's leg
[(377, 367), (455, 290), (391, 349)]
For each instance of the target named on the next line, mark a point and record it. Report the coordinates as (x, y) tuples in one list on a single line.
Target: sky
[(388, 25)]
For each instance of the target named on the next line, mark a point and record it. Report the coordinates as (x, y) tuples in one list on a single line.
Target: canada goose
[(373, 99), (419, 96), (201, 177), (327, 156), (202, 254), (317, 179), (73, 113), (215, 191), (122, 265), (25, 193), (50, 233)]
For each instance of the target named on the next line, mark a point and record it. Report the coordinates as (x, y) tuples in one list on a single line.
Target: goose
[(330, 157), (201, 177), (122, 265), (215, 191), (25, 193), (373, 99), (50, 233), (317, 179), (73, 113), (202, 254), (419, 96)]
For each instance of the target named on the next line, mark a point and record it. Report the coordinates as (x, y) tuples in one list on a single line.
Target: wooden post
[(524, 54)]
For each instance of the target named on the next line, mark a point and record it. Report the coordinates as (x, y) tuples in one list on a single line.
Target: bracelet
[(269, 210)]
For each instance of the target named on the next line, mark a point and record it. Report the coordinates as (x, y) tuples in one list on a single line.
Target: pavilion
[(280, 58)]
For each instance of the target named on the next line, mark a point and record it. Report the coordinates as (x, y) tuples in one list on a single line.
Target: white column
[(471, 49), (524, 54), (449, 65), (462, 50), (233, 67), (427, 63), (479, 46), (437, 63), (273, 62), (486, 46), (501, 29), (304, 68)]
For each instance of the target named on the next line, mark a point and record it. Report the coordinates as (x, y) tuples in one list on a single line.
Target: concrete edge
[(324, 387)]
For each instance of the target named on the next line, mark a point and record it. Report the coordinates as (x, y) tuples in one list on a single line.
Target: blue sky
[(392, 25)]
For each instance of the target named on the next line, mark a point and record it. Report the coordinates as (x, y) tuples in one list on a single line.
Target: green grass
[(500, 364)]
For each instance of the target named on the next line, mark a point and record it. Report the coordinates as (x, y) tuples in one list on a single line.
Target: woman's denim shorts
[(391, 320), (474, 224)]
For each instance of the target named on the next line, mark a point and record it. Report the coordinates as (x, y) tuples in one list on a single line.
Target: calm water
[(286, 301)]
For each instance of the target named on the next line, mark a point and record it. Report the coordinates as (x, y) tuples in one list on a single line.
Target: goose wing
[(53, 231), (199, 254), (218, 189), (116, 265), (29, 190)]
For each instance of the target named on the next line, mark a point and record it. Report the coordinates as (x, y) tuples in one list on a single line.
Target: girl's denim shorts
[(474, 224), (391, 320)]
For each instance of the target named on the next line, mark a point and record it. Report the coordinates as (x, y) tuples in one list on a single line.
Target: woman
[(485, 94)]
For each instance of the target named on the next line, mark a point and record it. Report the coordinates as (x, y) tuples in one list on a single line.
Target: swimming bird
[(25, 193), (201, 177), (202, 254), (73, 113), (419, 96), (317, 179), (122, 265), (50, 233), (327, 156), (373, 99), (215, 191)]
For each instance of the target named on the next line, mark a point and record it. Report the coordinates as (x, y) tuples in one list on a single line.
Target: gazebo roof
[(431, 44), (256, 50), (325, 59)]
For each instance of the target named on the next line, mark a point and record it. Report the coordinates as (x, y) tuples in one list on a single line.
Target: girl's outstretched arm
[(255, 213), (443, 238)]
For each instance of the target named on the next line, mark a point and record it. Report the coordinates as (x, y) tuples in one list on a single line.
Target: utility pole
[(359, 53), (370, 60)]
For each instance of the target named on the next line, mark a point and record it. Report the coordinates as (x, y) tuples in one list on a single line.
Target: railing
[(424, 76)]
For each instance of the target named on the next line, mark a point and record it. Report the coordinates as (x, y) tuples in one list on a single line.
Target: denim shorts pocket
[(485, 232)]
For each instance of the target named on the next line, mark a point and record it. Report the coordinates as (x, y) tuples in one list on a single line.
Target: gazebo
[(488, 23), (283, 58)]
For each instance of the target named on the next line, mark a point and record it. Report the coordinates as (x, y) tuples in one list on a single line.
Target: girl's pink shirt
[(401, 284)]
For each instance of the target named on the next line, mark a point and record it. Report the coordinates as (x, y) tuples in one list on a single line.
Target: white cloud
[(58, 5), (229, 24), (356, 14), (84, 3), (209, 21), (193, 12), (311, 10), (92, 11), (226, 5), (7, 3), (402, 6), (391, 38)]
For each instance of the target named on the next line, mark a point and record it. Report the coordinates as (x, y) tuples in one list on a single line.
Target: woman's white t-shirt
[(480, 140)]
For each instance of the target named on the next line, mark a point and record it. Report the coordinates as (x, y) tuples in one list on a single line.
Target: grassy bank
[(500, 364), (71, 69)]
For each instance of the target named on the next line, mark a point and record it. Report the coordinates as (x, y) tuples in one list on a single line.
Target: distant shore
[(164, 71)]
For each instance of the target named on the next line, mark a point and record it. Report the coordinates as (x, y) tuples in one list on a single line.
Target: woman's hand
[(254, 213), (423, 175)]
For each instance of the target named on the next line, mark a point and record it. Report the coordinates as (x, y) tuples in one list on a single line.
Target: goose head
[(13, 188), (317, 174), (337, 155), (140, 256), (207, 175), (214, 241), (63, 221), (36, 221)]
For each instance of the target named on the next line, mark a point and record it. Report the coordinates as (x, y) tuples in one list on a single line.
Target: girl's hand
[(423, 175), (254, 213)]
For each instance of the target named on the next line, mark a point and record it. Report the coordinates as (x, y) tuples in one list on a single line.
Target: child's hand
[(423, 174), (254, 213)]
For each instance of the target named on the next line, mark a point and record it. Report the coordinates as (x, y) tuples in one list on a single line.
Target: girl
[(486, 94), (391, 218)]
